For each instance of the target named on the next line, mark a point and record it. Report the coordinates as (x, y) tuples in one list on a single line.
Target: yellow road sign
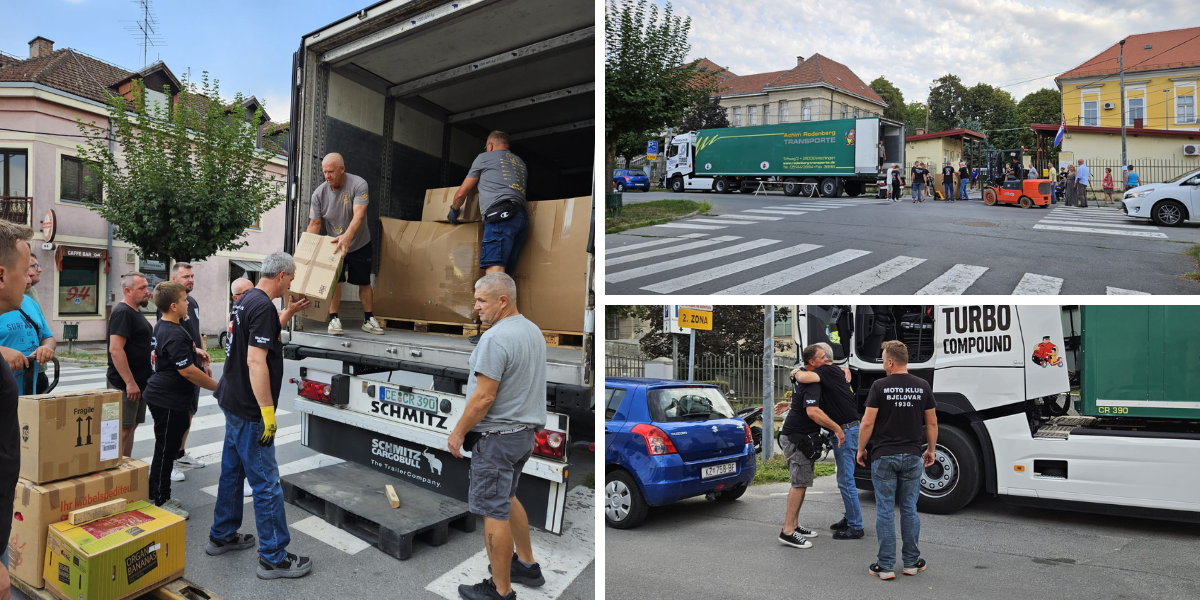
[(695, 319)]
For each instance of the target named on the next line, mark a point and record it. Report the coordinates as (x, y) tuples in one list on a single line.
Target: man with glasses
[(24, 334)]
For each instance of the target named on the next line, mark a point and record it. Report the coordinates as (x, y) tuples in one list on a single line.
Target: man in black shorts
[(341, 204)]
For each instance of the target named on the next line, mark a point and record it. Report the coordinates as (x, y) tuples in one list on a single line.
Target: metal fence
[(1149, 171), (624, 360)]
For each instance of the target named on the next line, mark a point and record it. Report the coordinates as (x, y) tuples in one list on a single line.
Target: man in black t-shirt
[(249, 394), (171, 389), (948, 182), (129, 351), (14, 277), (964, 177), (798, 429), (900, 417), (183, 274), (920, 176)]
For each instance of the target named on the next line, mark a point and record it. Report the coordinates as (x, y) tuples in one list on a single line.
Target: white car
[(1169, 203)]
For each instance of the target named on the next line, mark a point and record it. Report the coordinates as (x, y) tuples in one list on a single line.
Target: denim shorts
[(496, 464), (502, 242)]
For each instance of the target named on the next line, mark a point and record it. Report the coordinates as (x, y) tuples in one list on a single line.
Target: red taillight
[(551, 444), (627, 178), (657, 442), (313, 390), (749, 439)]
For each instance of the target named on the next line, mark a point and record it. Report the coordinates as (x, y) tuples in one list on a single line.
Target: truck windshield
[(687, 404)]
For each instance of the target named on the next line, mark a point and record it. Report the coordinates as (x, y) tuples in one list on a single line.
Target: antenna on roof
[(146, 29)]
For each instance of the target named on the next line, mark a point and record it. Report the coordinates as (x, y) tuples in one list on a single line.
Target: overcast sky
[(247, 44), (999, 42)]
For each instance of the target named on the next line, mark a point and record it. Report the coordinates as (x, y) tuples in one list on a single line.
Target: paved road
[(343, 565), (777, 244), (989, 550)]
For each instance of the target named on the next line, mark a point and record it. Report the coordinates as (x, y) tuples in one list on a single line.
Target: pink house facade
[(40, 100)]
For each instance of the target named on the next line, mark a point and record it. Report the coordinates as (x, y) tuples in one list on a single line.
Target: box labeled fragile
[(318, 266), (116, 557), (69, 434), (37, 506)]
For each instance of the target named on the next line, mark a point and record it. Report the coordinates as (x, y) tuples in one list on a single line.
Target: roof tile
[(1168, 49), (816, 70)]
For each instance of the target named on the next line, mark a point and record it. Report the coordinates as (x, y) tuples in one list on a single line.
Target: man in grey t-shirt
[(502, 179), (341, 204), (506, 406)]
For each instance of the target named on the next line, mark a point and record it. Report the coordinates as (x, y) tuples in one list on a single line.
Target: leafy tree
[(995, 110), (707, 113), (891, 94), (648, 84), (946, 99), (735, 328), (186, 180), (630, 145), (914, 117), (1042, 106)]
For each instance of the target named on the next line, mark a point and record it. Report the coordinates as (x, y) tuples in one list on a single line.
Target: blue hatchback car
[(667, 440), (630, 179)]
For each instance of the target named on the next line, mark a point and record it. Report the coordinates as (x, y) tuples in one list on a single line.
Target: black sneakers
[(519, 573), (880, 572), (486, 590), (848, 534), (840, 525), (806, 532), (794, 539), (474, 339), (240, 541), (917, 568), (292, 567)]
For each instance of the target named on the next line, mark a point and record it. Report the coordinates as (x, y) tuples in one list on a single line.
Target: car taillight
[(313, 390), (549, 444), (749, 440), (628, 178), (657, 442)]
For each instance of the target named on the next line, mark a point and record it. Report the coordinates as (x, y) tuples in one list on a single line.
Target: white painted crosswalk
[(1097, 221)]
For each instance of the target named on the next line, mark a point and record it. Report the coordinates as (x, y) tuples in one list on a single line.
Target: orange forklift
[(1013, 186)]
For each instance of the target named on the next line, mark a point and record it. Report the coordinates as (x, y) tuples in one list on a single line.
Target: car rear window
[(687, 404)]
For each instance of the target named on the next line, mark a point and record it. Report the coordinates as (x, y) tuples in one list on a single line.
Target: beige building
[(816, 89)]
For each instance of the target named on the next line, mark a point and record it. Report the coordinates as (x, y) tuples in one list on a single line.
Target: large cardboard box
[(427, 271), (438, 202), (37, 506), (317, 266), (551, 272), (69, 434), (115, 557)]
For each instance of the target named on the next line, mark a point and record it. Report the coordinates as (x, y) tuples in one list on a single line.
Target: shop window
[(79, 286), (156, 273), (80, 182)]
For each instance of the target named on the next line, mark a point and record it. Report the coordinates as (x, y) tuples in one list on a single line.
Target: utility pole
[(768, 416), (1124, 163)]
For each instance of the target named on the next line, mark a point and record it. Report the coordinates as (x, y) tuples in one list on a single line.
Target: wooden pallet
[(353, 497), (563, 338), (435, 327)]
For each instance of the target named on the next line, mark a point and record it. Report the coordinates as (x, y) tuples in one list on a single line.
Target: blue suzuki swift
[(667, 440)]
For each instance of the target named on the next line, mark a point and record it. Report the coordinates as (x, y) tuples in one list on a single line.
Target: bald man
[(341, 204)]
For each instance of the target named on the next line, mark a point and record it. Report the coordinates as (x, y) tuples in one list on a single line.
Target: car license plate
[(410, 399), (718, 470)]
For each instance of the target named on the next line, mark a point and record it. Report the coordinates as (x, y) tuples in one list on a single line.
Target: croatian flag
[(1061, 128)]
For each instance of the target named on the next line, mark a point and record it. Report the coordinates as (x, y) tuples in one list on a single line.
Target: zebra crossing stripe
[(1145, 234), (673, 249), (779, 279), (720, 221), (1048, 221), (146, 431), (778, 211), (639, 246), (686, 226), (751, 218), (684, 281), (1105, 218), (319, 529), (819, 205), (796, 207), (953, 282), (866, 280), (307, 463), (685, 261), (1038, 285), (1114, 291), (211, 453)]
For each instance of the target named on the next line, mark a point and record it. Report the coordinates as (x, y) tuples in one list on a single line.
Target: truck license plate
[(410, 399), (717, 470)]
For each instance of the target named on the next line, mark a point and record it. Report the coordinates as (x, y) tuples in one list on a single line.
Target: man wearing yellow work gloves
[(249, 394)]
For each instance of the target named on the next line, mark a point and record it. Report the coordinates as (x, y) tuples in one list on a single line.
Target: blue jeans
[(502, 242), (243, 459), (962, 190), (897, 481), (948, 190), (917, 190), (844, 456)]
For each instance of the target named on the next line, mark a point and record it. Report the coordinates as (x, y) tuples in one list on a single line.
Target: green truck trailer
[(828, 158)]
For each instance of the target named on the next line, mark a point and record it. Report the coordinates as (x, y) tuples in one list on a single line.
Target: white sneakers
[(187, 460), (372, 326), (335, 327), (246, 491), (177, 475)]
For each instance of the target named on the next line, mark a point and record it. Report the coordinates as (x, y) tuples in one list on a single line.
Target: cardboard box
[(69, 434), (317, 266), (439, 201), (116, 557), (551, 272), (428, 271), (36, 507)]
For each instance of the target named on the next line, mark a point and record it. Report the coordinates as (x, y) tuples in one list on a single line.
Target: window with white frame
[(1136, 109), (783, 111), (806, 109), (737, 116), (844, 109), (1091, 113), (752, 114), (856, 113), (1185, 108), (766, 120)]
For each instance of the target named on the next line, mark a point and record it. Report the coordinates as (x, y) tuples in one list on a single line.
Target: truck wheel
[(730, 494), (1168, 213), (677, 185), (791, 187), (853, 188), (831, 187), (989, 197), (624, 506), (721, 185), (954, 478), (1026, 202)]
